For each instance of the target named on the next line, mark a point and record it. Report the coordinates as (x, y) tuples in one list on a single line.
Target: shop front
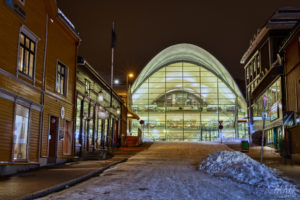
[(274, 129), (98, 111)]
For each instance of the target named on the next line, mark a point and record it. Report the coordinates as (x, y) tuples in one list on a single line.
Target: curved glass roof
[(193, 54)]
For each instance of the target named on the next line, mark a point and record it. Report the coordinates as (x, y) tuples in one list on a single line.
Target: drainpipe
[(43, 88)]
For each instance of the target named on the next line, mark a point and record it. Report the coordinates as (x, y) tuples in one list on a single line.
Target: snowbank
[(243, 169), (147, 140)]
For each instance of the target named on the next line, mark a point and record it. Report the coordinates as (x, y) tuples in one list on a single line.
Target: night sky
[(144, 28)]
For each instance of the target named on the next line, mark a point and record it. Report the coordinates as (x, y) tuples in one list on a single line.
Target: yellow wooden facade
[(56, 43)]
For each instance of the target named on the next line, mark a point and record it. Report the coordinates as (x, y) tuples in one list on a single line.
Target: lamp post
[(130, 75), (128, 98)]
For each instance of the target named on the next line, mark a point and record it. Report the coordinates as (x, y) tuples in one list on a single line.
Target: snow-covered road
[(167, 170)]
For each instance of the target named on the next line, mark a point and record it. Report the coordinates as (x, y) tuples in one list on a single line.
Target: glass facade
[(273, 107), (97, 109), (185, 101), (93, 132)]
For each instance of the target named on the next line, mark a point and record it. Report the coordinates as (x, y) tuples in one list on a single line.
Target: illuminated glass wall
[(185, 101), (273, 107)]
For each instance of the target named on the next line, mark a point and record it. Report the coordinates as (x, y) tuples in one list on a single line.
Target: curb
[(71, 182)]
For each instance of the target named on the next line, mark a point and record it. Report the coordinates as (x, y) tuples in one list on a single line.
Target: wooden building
[(264, 76), (290, 52), (37, 84), (99, 114)]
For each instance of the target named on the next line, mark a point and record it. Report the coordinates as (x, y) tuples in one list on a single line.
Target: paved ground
[(167, 170), (272, 159), (164, 171), (27, 183)]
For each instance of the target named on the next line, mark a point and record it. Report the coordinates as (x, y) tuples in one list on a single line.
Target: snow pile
[(243, 169), (147, 140)]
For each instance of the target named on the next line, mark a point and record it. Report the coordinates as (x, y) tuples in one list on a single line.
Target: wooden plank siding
[(9, 39), (62, 45), (6, 131), (292, 56), (292, 72), (35, 21), (66, 54), (53, 108), (20, 89), (292, 80), (34, 136)]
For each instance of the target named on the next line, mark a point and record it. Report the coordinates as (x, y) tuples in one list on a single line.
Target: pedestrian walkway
[(272, 159), (170, 170), (40, 182)]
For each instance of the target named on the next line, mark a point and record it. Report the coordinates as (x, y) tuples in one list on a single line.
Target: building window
[(91, 127), (27, 48), (265, 58), (87, 87), (22, 2), (68, 138), (254, 67), (274, 106), (21, 132), (247, 74), (61, 79)]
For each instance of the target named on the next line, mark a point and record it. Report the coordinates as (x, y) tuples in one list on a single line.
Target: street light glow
[(130, 75), (116, 81)]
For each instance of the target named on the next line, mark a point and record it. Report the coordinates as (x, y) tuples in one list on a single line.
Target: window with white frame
[(27, 52), (61, 79), (21, 131), (22, 2)]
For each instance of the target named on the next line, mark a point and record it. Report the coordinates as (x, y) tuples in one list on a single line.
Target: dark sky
[(145, 27)]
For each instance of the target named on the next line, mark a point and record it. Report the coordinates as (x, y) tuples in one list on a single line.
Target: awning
[(132, 115)]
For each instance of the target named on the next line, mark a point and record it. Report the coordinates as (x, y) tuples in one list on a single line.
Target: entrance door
[(53, 139)]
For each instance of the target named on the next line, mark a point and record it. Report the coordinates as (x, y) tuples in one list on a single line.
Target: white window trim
[(65, 93), (22, 2), (26, 31)]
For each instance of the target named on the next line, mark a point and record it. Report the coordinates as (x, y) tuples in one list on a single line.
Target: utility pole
[(113, 41)]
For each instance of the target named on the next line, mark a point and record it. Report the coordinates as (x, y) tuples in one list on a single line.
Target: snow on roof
[(66, 19)]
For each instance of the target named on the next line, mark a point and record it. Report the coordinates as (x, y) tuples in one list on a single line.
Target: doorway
[(53, 124)]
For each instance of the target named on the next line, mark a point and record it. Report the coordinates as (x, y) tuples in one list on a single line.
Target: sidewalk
[(274, 160), (40, 182)]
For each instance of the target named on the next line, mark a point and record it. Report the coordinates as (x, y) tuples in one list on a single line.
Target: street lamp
[(130, 75), (100, 96), (116, 81)]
